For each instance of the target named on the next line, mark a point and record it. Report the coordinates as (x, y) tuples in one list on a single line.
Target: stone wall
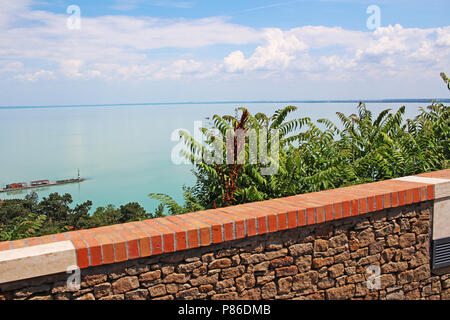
[(323, 261)]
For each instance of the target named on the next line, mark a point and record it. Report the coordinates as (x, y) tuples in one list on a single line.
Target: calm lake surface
[(123, 151)]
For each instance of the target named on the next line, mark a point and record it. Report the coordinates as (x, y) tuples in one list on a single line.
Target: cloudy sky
[(137, 51)]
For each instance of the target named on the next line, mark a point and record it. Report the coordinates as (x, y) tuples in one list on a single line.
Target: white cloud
[(32, 77), (279, 51), (37, 44), (235, 61), (71, 68), (117, 34), (11, 11), (11, 66), (393, 50), (320, 36), (443, 37)]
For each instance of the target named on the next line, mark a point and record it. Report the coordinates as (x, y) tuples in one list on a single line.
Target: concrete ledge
[(441, 207), (35, 261), (441, 218), (45, 255), (441, 186)]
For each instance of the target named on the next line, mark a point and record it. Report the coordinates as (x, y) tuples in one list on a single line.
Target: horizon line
[(389, 100)]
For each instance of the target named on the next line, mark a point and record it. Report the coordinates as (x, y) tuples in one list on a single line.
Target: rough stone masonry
[(325, 261)]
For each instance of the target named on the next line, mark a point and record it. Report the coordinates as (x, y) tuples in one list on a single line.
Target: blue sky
[(181, 50), (269, 13)]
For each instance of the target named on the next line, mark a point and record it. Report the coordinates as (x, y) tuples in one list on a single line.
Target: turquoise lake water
[(123, 151)]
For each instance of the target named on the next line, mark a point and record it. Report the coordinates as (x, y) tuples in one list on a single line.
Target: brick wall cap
[(38, 256)]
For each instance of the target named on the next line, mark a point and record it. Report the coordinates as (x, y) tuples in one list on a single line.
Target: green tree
[(159, 212), (14, 208), (104, 216), (314, 156), (33, 199), (132, 211), (56, 207), (80, 218), (237, 181)]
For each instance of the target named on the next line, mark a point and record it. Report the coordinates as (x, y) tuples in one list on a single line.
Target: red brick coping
[(117, 243)]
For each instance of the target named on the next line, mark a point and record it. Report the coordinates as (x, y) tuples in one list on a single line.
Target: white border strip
[(36, 261), (441, 186), (441, 206)]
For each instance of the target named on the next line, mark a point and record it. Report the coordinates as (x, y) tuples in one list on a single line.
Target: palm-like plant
[(311, 157), (233, 179)]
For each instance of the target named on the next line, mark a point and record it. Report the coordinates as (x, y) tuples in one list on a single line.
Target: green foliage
[(312, 156), (22, 227), (159, 212), (14, 208), (226, 183), (191, 203), (56, 207), (80, 218), (132, 212), (169, 202), (105, 216), (28, 217), (446, 79), (315, 156)]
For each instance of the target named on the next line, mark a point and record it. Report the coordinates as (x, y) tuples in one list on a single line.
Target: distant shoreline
[(441, 100)]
